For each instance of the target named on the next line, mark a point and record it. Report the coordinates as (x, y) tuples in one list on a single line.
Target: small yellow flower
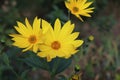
[(79, 8), (76, 76), (91, 38), (29, 37), (59, 42)]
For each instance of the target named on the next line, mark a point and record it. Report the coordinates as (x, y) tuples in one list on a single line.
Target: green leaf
[(24, 74), (58, 65), (34, 61), (62, 77), (5, 59), (13, 52)]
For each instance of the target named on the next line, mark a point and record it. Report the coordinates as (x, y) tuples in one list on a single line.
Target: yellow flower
[(76, 76), (91, 38), (29, 37), (79, 8), (60, 42)]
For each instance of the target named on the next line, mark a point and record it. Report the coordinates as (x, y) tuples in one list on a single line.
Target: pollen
[(75, 9), (32, 39), (55, 45)]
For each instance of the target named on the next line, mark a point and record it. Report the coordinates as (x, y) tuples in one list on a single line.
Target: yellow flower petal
[(60, 53), (44, 47), (21, 44), (85, 14), (71, 37), (21, 29), (75, 51), (35, 48), (66, 30), (48, 56), (45, 26), (77, 43), (28, 24), (42, 54), (29, 47), (87, 5), (79, 17), (83, 2), (36, 25), (67, 4), (57, 27)]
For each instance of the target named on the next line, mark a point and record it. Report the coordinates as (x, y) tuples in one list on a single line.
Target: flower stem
[(55, 66), (68, 15), (14, 73), (116, 54), (52, 77)]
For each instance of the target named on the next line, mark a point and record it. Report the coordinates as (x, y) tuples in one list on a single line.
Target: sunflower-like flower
[(79, 8), (59, 42), (29, 37)]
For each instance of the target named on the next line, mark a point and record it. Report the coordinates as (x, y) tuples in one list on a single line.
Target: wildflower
[(91, 38), (79, 8), (60, 42), (76, 77), (29, 37)]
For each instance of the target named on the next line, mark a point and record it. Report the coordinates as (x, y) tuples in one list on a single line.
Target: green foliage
[(117, 77), (54, 67), (57, 13), (89, 70), (108, 22), (34, 61), (100, 5), (62, 77)]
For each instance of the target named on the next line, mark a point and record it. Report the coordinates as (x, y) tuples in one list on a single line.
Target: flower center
[(32, 39), (75, 9), (55, 45)]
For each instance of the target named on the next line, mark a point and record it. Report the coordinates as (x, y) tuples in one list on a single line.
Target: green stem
[(14, 72), (52, 77), (68, 15), (116, 55), (55, 66)]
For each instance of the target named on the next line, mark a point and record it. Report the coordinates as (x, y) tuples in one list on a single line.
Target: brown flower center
[(55, 45), (32, 39), (75, 9)]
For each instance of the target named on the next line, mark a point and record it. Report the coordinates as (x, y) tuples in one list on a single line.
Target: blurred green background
[(98, 59)]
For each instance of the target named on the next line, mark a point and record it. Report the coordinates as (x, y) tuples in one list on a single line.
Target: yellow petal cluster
[(29, 37), (60, 41), (79, 8)]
